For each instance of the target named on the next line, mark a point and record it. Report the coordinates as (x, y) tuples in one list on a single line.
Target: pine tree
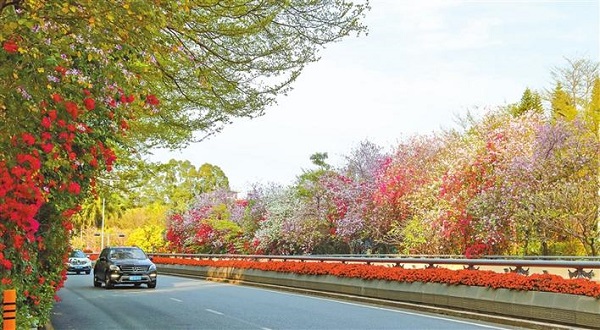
[(530, 101)]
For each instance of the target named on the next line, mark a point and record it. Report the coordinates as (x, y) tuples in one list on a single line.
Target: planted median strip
[(542, 297)]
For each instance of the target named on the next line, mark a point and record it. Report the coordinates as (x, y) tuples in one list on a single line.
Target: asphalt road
[(181, 303)]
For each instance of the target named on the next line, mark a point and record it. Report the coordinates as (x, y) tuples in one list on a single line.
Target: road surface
[(182, 303)]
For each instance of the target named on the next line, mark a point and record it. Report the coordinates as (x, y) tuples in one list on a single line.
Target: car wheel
[(97, 283), (107, 283), (152, 285), (78, 273), (87, 272)]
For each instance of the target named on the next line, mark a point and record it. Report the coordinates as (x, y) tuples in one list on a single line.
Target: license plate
[(135, 278)]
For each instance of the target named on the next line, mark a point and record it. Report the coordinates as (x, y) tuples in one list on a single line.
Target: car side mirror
[(151, 258)]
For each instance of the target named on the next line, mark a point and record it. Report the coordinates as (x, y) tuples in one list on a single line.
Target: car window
[(127, 254), (77, 254)]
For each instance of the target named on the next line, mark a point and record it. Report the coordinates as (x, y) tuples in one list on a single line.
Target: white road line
[(498, 327), (175, 299), (213, 311)]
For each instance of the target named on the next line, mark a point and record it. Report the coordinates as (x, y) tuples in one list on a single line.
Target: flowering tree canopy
[(84, 82)]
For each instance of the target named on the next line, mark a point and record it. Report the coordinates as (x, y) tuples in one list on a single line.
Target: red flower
[(19, 241), (47, 147), (10, 46), (152, 99), (46, 122), (74, 188), (6, 263), (56, 98), (60, 69), (72, 109), (28, 139), (89, 103), (52, 115)]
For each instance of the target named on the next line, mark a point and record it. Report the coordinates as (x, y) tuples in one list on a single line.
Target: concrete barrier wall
[(566, 309)]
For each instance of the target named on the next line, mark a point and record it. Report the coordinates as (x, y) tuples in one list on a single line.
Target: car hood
[(137, 262)]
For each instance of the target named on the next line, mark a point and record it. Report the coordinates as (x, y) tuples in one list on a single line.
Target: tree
[(213, 224), (95, 208), (562, 104), (148, 237), (400, 183), (530, 101), (203, 63), (566, 163), (592, 112), (177, 183), (577, 79)]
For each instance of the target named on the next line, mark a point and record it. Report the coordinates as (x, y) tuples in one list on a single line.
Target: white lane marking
[(383, 308), (237, 319), (175, 299), (213, 311)]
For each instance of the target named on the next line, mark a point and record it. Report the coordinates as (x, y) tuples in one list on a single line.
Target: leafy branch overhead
[(207, 62)]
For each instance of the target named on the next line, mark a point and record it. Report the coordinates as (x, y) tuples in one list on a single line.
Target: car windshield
[(77, 254), (127, 254)]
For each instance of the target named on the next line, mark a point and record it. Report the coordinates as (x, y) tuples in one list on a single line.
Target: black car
[(124, 265)]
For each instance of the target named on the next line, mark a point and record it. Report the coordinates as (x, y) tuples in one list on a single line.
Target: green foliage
[(149, 237), (530, 101), (592, 112), (320, 160), (176, 184), (307, 182), (562, 104)]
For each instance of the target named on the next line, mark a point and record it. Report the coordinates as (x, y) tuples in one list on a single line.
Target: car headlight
[(113, 267), (152, 268)]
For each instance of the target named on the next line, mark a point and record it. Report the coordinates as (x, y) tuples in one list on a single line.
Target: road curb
[(536, 310)]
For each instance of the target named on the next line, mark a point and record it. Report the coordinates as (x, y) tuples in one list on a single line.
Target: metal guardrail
[(583, 267)]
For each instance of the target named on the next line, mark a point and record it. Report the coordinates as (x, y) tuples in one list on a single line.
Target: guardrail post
[(9, 310)]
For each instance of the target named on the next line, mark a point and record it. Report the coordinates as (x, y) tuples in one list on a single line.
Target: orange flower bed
[(513, 281)]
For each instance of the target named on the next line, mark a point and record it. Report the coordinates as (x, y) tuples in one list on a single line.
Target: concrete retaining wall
[(572, 310)]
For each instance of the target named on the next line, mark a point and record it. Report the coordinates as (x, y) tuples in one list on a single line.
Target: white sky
[(423, 63)]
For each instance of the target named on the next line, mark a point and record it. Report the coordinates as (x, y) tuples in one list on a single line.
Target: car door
[(100, 267)]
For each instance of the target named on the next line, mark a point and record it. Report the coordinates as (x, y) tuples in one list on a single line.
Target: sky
[(423, 65)]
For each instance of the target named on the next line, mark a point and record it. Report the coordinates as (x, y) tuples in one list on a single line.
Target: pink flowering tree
[(404, 198), (349, 195), (218, 222)]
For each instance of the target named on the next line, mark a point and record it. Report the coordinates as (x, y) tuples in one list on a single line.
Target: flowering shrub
[(490, 279), (212, 225), (61, 124)]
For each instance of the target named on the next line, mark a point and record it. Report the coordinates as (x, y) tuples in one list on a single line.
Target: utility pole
[(102, 244)]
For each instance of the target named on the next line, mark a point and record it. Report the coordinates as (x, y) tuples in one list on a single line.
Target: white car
[(79, 262)]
